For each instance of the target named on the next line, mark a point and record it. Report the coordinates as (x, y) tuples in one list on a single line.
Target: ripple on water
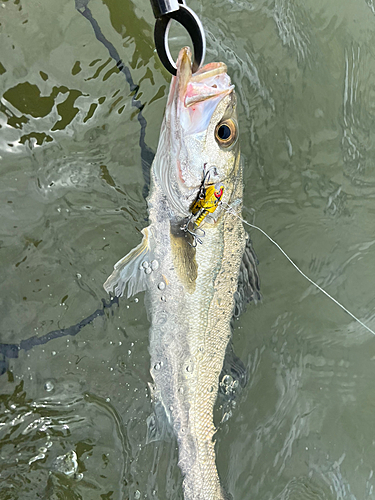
[(49, 445), (292, 31), (371, 4), (303, 488), (291, 440), (358, 136)]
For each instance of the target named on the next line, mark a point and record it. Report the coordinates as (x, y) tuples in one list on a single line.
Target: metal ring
[(190, 21)]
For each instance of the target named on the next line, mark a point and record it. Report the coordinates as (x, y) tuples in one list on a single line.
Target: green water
[(72, 205)]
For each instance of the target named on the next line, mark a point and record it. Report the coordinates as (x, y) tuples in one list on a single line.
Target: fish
[(195, 263)]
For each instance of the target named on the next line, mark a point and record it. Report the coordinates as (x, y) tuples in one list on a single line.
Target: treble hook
[(197, 238), (165, 11)]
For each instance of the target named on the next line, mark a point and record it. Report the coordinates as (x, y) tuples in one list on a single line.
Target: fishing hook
[(206, 178), (194, 233), (164, 12)]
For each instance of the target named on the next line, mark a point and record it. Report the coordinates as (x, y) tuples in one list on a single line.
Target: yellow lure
[(208, 203)]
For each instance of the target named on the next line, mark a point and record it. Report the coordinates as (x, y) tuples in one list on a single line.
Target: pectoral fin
[(129, 270)]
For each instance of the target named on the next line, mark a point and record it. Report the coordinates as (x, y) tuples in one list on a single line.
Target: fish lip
[(210, 81), (184, 71)]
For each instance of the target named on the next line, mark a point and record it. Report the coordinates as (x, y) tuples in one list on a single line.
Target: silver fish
[(190, 273)]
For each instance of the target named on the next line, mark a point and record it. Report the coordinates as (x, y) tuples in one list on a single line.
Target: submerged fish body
[(190, 289)]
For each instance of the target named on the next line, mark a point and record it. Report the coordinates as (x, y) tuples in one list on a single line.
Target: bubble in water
[(48, 386), (189, 368), (148, 270), (137, 495), (66, 464), (53, 353), (226, 416), (158, 365), (227, 380), (145, 264), (161, 285), (163, 299), (154, 265), (229, 384)]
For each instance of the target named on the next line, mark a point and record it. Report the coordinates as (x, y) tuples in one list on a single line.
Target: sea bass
[(190, 260)]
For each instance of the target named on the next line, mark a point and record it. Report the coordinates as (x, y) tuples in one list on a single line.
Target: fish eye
[(226, 133)]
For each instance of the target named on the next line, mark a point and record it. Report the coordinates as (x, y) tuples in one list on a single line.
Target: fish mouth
[(208, 82)]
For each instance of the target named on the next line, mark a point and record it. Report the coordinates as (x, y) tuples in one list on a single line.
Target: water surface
[(74, 410)]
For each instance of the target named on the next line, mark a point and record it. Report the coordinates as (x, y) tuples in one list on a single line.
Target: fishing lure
[(208, 203)]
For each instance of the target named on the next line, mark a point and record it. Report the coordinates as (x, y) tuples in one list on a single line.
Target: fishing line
[(232, 211)]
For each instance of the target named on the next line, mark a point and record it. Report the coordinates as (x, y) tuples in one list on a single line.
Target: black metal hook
[(165, 11)]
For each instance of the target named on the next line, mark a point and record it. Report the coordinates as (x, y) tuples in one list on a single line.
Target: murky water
[(73, 410)]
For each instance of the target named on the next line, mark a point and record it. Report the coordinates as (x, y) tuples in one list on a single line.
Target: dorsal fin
[(248, 289)]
